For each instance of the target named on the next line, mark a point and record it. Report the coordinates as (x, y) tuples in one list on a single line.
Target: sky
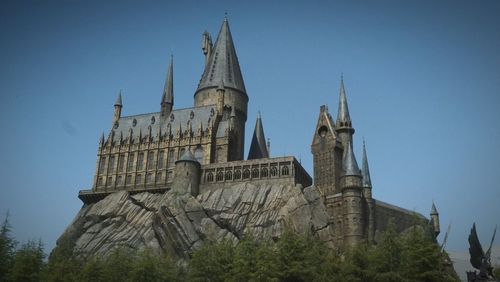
[(422, 81)]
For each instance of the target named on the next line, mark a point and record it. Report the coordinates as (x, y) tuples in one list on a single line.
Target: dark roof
[(343, 112), (223, 64), (187, 157), (118, 101), (367, 182), (349, 163), (258, 147), (433, 209), (168, 90), (179, 119)]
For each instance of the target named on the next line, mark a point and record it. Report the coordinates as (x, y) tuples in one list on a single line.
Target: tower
[(167, 99), (327, 154), (187, 175), (344, 124), (367, 194), (118, 108), (351, 183), (258, 147), (435, 220), (222, 66)]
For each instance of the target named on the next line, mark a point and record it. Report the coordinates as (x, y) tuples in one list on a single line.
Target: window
[(158, 177), (264, 172), (149, 177), (110, 181), (210, 177), (160, 159), (255, 173), (131, 161), (169, 176), (151, 159), (181, 152), (246, 174), (229, 175), (121, 163), (119, 180), (102, 165), (129, 179), (99, 181), (140, 161), (198, 154), (171, 158), (111, 164), (237, 174), (220, 176), (219, 155), (274, 171), (284, 170), (138, 179)]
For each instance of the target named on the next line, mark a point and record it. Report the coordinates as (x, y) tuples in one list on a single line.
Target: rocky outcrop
[(177, 224)]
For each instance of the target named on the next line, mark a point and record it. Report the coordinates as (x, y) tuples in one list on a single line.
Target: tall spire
[(119, 99), (258, 147), (223, 63), (343, 118), (167, 100), (349, 163), (367, 182), (433, 209)]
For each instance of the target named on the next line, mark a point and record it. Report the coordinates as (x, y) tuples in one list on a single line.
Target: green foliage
[(28, 262), (63, 264), (496, 272), (7, 249)]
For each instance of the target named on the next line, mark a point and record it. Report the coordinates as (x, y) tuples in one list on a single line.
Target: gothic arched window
[(210, 177), (160, 159), (274, 171), (255, 173), (246, 174), (220, 176), (264, 172), (140, 161), (237, 174), (171, 158), (138, 179), (229, 175), (284, 170)]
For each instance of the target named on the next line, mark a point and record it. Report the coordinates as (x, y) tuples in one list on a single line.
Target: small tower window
[(99, 181), (264, 172), (138, 179), (111, 164), (121, 163), (134, 122), (149, 177), (151, 159), (140, 161), (322, 131), (109, 182), (171, 158), (129, 180), (158, 177), (119, 180), (102, 165), (160, 159), (131, 162), (169, 176), (255, 173)]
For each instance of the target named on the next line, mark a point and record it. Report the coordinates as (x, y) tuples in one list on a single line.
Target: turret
[(207, 46), (220, 97), (435, 220), (222, 65), (258, 148), (167, 99), (351, 184), (118, 108), (187, 175), (344, 124), (367, 193)]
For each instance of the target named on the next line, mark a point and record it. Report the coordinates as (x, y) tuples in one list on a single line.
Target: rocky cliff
[(177, 224)]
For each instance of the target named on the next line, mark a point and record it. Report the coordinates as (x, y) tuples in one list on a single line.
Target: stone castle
[(200, 149)]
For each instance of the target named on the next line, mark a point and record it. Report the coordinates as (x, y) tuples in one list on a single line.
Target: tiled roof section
[(223, 64), (343, 112), (180, 118), (168, 90), (367, 182), (349, 164)]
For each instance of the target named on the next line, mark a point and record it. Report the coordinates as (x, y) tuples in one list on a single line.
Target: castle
[(196, 149)]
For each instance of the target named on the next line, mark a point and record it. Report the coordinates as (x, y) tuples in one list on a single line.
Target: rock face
[(177, 224)]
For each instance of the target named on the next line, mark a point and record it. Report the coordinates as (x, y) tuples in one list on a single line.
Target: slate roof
[(349, 163), (179, 118), (367, 182), (258, 147), (223, 65), (343, 112)]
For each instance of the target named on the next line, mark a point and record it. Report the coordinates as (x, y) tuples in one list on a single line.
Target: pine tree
[(28, 262), (7, 248)]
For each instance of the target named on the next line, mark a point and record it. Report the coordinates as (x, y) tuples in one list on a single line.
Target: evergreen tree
[(7, 249), (63, 264), (212, 262), (28, 263)]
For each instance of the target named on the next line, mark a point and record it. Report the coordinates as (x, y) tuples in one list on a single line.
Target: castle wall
[(402, 218)]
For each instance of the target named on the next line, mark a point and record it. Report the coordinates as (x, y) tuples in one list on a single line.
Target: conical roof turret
[(343, 118), (258, 147), (349, 163), (223, 63), (118, 101), (365, 172), (168, 90), (433, 209)]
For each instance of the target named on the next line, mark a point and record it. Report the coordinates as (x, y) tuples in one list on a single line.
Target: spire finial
[(365, 172), (225, 15), (119, 99), (258, 114)]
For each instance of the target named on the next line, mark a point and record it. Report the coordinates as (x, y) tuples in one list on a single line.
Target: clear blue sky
[(422, 81)]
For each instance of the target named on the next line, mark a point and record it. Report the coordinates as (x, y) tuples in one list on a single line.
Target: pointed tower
[(344, 124), (351, 183), (327, 154), (435, 220), (367, 193), (222, 65), (258, 148), (118, 108), (167, 99)]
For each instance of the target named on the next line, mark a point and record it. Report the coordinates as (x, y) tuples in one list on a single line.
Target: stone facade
[(198, 152)]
